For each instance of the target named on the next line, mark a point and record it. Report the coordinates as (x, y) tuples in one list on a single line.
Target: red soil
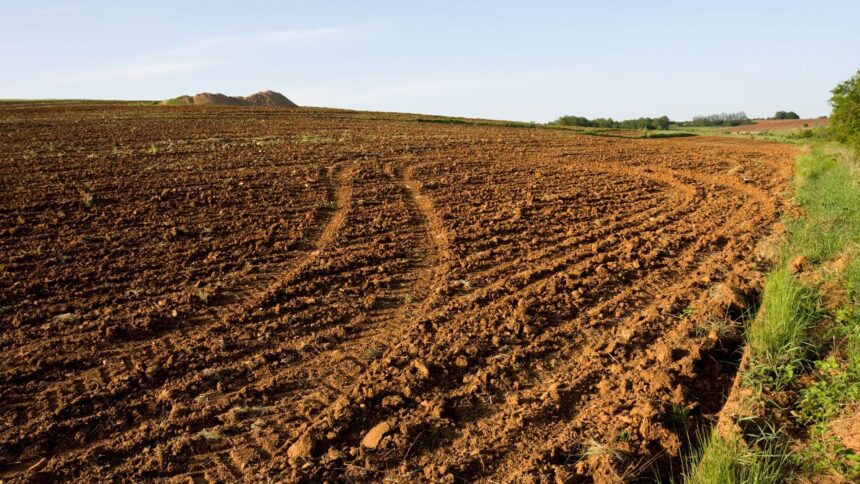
[(299, 295), (779, 125)]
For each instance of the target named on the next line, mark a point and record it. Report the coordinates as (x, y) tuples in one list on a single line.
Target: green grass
[(792, 330), (177, 101), (778, 336), (728, 460), (829, 192)]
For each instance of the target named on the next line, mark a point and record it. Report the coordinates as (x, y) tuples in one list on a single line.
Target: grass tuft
[(729, 460), (778, 336)]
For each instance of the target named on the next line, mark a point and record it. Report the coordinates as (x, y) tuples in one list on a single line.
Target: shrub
[(785, 115), (845, 120)]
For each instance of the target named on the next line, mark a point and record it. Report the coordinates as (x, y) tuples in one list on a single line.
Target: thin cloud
[(256, 39), (203, 53), (147, 70), (58, 9)]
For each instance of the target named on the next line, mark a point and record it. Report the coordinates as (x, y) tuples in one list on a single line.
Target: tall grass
[(728, 460), (778, 336), (828, 189)]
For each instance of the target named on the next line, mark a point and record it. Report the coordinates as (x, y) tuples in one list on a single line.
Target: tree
[(573, 121), (722, 119), (785, 115), (845, 119), (662, 122)]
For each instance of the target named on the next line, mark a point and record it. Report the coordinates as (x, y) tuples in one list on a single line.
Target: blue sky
[(523, 60)]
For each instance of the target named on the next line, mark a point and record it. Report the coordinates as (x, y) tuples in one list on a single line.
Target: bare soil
[(222, 294), (780, 125)]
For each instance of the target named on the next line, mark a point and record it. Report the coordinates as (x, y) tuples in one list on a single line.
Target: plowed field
[(227, 294)]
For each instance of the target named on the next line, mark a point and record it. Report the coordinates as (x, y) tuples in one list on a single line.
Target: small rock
[(66, 318), (392, 401), (178, 411), (552, 393), (371, 440), (302, 448), (421, 368)]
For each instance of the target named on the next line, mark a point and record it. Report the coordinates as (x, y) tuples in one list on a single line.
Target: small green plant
[(677, 417), (204, 295), (88, 198), (687, 312), (837, 386), (152, 150), (827, 454)]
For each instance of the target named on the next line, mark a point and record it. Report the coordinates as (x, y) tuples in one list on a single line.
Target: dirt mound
[(263, 98), (269, 98)]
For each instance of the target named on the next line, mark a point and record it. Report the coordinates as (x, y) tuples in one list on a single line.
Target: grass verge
[(802, 381)]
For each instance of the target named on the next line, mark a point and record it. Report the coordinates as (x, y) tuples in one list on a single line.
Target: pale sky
[(519, 60)]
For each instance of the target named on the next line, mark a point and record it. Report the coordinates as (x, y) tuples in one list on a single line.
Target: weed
[(152, 150), (204, 295), (826, 453), (623, 436), (721, 326), (677, 417), (838, 384), (597, 449), (313, 138), (88, 198)]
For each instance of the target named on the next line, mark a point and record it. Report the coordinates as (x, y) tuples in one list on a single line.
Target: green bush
[(845, 120), (785, 115)]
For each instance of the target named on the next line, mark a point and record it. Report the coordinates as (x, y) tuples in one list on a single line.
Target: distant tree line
[(785, 115), (640, 123), (722, 119)]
